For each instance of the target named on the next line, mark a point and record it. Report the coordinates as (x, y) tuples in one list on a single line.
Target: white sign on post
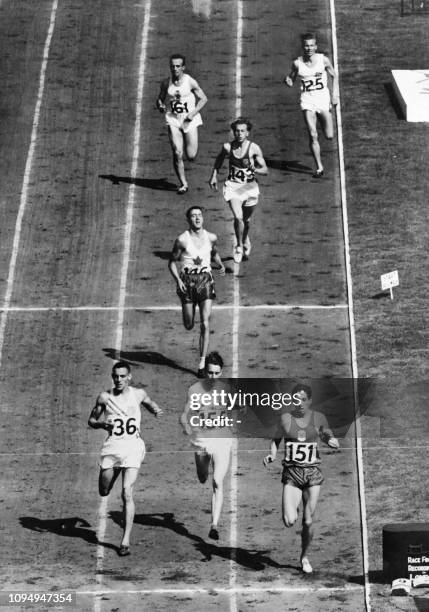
[(389, 280)]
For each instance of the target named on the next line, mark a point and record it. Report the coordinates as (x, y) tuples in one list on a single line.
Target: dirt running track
[(61, 328)]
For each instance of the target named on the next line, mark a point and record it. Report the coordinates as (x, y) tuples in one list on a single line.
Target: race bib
[(301, 452), (313, 84)]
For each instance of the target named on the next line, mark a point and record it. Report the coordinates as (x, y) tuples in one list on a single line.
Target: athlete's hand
[(181, 286), (159, 412), (288, 81), (107, 426), (268, 459), (334, 100), (213, 183), (161, 107), (222, 270), (333, 443)]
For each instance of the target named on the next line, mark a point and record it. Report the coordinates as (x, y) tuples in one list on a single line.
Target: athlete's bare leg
[(191, 143), (176, 141), (290, 503), (205, 312), (247, 213), (129, 477), (311, 123), (237, 210), (220, 468), (107, 479), (202, 462), (309, 497), (188, 315), (327, 123)]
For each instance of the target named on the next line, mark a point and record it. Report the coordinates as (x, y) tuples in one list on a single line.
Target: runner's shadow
[(255, 560), (137, 357), (289, 166), (73, 527), (375, 577), (165, 255), (391, 94), (161, 184)]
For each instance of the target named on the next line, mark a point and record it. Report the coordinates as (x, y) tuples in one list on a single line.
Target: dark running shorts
[(199, 287), (302, 476)]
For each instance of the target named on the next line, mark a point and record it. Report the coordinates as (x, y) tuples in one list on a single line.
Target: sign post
[(389, 280)]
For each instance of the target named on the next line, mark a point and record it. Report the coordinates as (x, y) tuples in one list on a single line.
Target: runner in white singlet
[(190, 266), (181, 99), (118, 411), (312, 69)]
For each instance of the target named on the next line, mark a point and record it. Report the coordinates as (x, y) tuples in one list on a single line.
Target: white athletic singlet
[(196, 259), (126, 419), (180, 98), (314, 84)]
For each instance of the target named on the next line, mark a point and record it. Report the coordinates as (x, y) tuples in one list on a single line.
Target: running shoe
[(306, 566), (214, 533), (238, 254)]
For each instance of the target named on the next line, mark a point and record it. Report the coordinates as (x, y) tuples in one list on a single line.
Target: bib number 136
[(121, 426)]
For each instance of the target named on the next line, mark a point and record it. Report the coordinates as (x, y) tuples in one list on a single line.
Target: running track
[(84, 280)]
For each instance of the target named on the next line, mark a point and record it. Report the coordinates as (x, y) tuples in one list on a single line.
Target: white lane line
[(235, 335), (26, 179), (359, 457), (238, 590), (234, 306), (102, 513)]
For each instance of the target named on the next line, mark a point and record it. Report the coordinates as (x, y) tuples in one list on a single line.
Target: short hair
[(188, 212), (178, 56), (308, 36), (121, 364), (240, 120), (302, 387), (215, 359)]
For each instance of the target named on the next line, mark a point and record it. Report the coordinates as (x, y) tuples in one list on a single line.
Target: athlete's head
[(194, 215), (302, 393), (214, 365), (121, 374), (241, 121), (177, 64), (309, 42)]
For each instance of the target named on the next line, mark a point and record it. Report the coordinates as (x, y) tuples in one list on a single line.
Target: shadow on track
[(73, 527), (255, 560), (289, 166), (140, 356), (161, 184)]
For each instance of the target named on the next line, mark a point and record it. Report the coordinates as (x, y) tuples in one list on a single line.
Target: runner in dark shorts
[(190, 266), (199, 287), (301, 476)]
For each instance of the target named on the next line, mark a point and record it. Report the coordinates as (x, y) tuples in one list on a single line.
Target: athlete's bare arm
[(176, 255), (215, 254), (290, 78), (184, 416), (330, 70), (224, 152), (150, 405), (259, 165), (97, 411), (160, 102), (325, 433), (201, 99)]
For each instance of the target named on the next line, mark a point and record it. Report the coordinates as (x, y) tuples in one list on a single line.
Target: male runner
[(301, 476), (181, 99), (312, 68), (190, 266), (212, 448), (241, 189), (118, 412)]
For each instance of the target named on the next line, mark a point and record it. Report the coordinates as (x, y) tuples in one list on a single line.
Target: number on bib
[(301, 452), (120, 427), (312, 84), (178, 107)]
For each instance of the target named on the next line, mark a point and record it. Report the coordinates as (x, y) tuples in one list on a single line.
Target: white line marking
[(26, 179), (125, 263), (234, 306), (235, 350), (359, 458), (227, 591)]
